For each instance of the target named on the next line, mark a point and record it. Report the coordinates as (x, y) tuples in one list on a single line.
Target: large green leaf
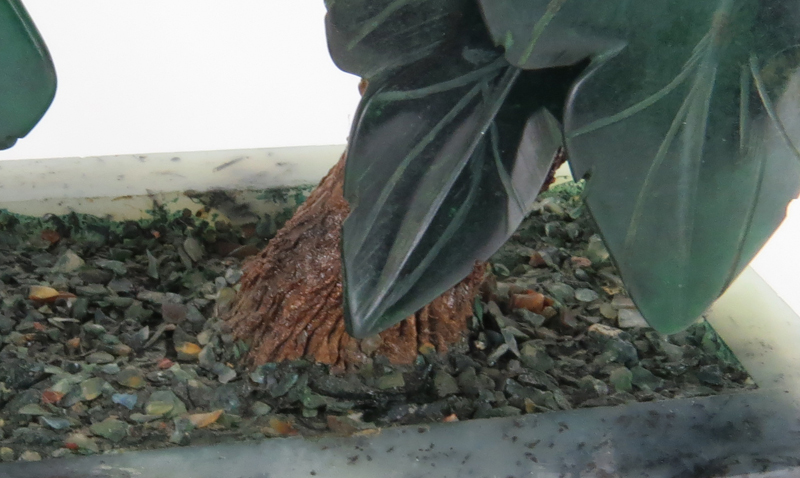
[(370, 37), (686, 126), (445, 159), (27, 75)]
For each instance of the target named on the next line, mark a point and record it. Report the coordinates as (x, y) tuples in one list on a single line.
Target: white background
[(143, 76)]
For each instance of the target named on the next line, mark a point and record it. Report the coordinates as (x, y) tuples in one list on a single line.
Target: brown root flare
[(290, 302)]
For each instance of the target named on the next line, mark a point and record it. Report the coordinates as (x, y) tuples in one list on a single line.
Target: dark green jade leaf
[(445, 159), (369, 37), (546, 33), (688, 134), (27, 75)]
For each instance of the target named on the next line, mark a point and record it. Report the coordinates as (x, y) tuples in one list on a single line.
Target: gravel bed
[(112, 340)]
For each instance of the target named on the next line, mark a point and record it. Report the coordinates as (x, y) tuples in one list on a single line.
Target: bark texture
[(290, 302)]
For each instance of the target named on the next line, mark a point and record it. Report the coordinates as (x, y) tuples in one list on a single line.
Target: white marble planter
[(754, 433)]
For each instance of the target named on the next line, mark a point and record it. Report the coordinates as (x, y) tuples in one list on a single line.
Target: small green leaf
[(27, 75)]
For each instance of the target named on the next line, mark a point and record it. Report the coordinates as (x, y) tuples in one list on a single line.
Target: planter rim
[(141, 174)]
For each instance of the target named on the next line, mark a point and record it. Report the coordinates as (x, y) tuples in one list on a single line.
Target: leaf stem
[(694, 141), (458, 219), (760, 173), (650, 100), (767, 102), (462, 80), (552, 9), (358, 241), (401, 250), (744, 110), (374, 22), (661, 154), (505, 178)]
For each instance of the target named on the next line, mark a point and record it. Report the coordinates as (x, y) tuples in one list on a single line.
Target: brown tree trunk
[(290, 302)]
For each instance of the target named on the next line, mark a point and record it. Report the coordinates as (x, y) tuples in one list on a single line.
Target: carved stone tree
[(290, 302), (685, 131), (450, 147)]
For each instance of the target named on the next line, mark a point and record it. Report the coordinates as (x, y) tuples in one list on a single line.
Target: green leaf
[(27, 75), (370, 37), (547, 33), (687, 134), (445, 160)]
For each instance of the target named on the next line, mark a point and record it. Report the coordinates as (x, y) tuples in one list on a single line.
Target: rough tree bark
[(290, 302)]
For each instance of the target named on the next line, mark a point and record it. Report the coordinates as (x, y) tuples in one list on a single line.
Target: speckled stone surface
[(755, 433)]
